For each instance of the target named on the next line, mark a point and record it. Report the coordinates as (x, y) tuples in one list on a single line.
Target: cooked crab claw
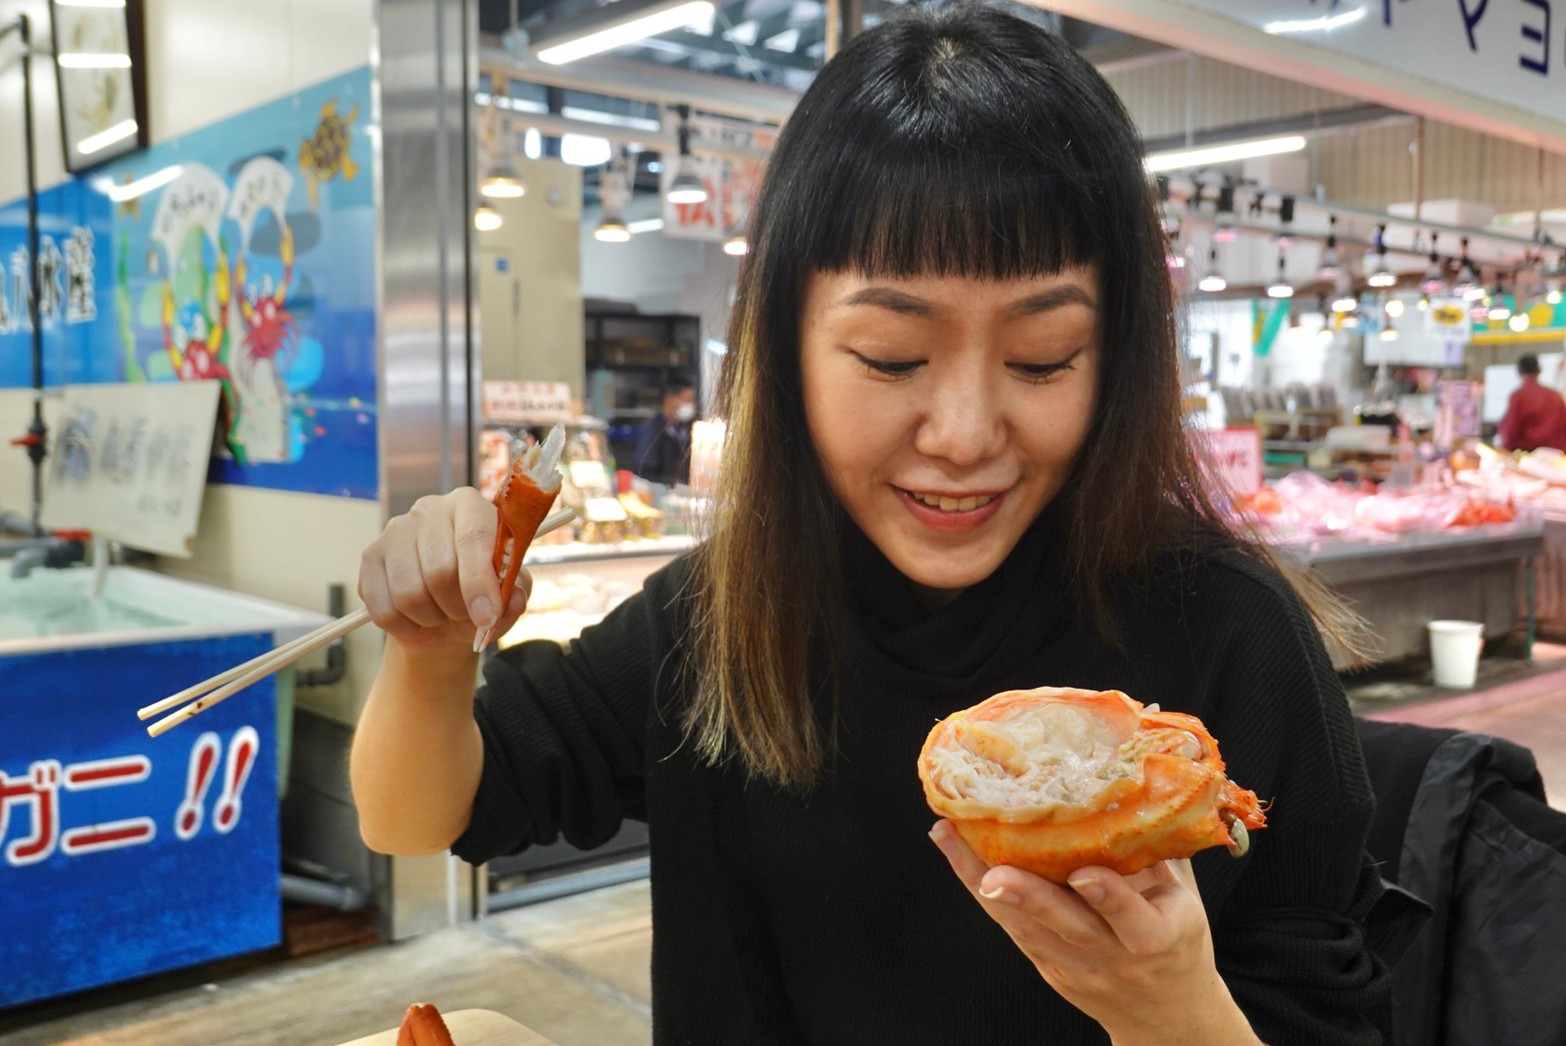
[(523, 500)]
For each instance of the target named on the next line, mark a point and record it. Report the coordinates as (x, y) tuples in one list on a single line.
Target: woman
[(955, 466)]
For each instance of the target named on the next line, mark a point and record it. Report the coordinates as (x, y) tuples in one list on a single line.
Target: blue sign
[(123, 855), (243, 252)]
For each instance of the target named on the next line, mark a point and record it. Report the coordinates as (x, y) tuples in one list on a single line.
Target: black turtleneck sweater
[(829, 916)]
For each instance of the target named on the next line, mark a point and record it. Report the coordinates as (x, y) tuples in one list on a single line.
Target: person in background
[(1535, 415), (954, 465), (663, 446)]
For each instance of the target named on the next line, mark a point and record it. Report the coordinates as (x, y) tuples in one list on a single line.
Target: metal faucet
[(30, 553)]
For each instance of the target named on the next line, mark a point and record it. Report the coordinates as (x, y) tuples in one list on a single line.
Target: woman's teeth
[(953, 504)]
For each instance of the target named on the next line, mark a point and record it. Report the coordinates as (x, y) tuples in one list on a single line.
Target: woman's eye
[(1040, 372), (891, 368)]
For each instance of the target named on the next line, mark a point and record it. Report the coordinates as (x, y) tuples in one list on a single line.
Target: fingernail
[(481, 612), (1000, 895), (938, 835), (1090, 890), (480, 639)]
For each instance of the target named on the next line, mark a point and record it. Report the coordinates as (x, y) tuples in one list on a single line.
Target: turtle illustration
[(325, 153)]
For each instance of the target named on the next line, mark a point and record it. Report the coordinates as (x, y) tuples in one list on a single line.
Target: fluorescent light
[(646, 225), (1212, 283), (103, 139), (89, 3), (641, 123), (1207, 156), (609, 31), (92, 60), (1324, 24), (140, 187)]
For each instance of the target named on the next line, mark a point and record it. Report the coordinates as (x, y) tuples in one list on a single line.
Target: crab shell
[(1181, 804)]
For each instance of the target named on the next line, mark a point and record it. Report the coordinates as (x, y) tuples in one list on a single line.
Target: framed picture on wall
[(100, 67)]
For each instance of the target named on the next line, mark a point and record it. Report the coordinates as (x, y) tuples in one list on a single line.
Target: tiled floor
[(576, 969)]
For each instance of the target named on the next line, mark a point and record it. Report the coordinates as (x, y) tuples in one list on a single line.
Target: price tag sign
[(527, 402), (1234, 457)]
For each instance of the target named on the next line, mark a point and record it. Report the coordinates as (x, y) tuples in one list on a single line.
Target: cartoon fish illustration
[(323, 155)]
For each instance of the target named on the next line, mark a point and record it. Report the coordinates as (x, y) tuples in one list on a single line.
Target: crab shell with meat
[(1054, 779)]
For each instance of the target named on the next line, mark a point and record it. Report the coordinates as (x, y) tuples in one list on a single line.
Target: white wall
[(208, 60)]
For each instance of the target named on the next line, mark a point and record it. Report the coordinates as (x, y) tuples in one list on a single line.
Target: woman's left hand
[(1133, 952)]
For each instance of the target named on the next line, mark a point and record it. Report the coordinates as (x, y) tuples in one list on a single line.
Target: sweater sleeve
[(565, 729), (1289, 935)]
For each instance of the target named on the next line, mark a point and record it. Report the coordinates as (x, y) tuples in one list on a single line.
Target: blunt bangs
[(960, 143)]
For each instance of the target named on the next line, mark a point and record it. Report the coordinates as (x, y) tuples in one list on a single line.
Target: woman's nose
[(963, 422)]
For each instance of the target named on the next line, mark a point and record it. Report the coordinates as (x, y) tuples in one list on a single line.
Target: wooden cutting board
[(470, 1028)]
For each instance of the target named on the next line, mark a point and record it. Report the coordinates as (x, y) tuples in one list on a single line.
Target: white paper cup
[(1454, 652)]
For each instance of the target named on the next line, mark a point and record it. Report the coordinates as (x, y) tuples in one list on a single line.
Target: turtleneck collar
[(889, 630)]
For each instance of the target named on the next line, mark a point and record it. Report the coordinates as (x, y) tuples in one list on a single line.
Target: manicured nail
[(481, 612), (1000, 895), (1090, 890), (480, 639)]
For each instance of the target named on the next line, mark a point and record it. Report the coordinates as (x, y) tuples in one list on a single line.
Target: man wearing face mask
[(663, 447)]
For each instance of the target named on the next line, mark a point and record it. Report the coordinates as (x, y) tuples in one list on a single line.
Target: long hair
[(955, 142)]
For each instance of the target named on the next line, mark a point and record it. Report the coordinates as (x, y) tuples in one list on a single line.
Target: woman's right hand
[(429, 580)]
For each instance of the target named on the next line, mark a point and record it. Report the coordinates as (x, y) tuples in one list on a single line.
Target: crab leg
[(523, 501)]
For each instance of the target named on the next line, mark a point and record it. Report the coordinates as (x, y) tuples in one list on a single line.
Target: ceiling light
[(645, 225), (1380, 275), (1345, 303), (1467, 282), (1280, 287), (737, 246), (1389, 333), (1395, 307), (611, 228), (1223, 230), (1213, 281), (486, 218), (1181, 159), (1434, 279), (1331, 265), (1519, 322), (502, 182), (687, 186), (615, 25), (1553, 297)]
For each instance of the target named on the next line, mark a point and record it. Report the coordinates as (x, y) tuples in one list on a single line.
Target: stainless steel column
[(426, 60)]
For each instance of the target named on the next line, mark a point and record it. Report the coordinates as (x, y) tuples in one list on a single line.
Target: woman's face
[(947, 411)]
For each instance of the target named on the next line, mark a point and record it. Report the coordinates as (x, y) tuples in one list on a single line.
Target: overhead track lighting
[(486, 218), (502, 182), (615, 25), (1380, 275), (1331, 265), (1280, 287), (1213, 281), (687, 186)]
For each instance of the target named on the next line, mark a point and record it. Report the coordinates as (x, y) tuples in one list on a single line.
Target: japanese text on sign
[(527, 402), (1233, 458), (35, 820)]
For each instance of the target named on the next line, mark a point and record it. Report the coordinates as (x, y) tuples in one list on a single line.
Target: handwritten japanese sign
[(130, 462), (122, 855)]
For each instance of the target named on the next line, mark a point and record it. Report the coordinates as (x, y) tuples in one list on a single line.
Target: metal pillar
[(426, 72)]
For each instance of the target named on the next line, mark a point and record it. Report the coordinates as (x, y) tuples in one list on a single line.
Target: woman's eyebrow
[(895, 301), (1054, 298)]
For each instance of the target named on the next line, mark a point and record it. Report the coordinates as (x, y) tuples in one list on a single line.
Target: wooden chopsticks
[(225, 684)]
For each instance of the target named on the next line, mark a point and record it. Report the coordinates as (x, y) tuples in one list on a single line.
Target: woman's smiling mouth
[(951, 511)]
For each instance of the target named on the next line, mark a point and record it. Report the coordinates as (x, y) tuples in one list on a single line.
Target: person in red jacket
[(1535, 415)]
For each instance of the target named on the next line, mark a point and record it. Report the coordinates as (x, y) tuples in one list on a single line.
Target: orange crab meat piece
[(1054, 779), (523, 500)]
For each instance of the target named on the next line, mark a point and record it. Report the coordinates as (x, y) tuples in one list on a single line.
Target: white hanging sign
[(130, 462), (527, 402)]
